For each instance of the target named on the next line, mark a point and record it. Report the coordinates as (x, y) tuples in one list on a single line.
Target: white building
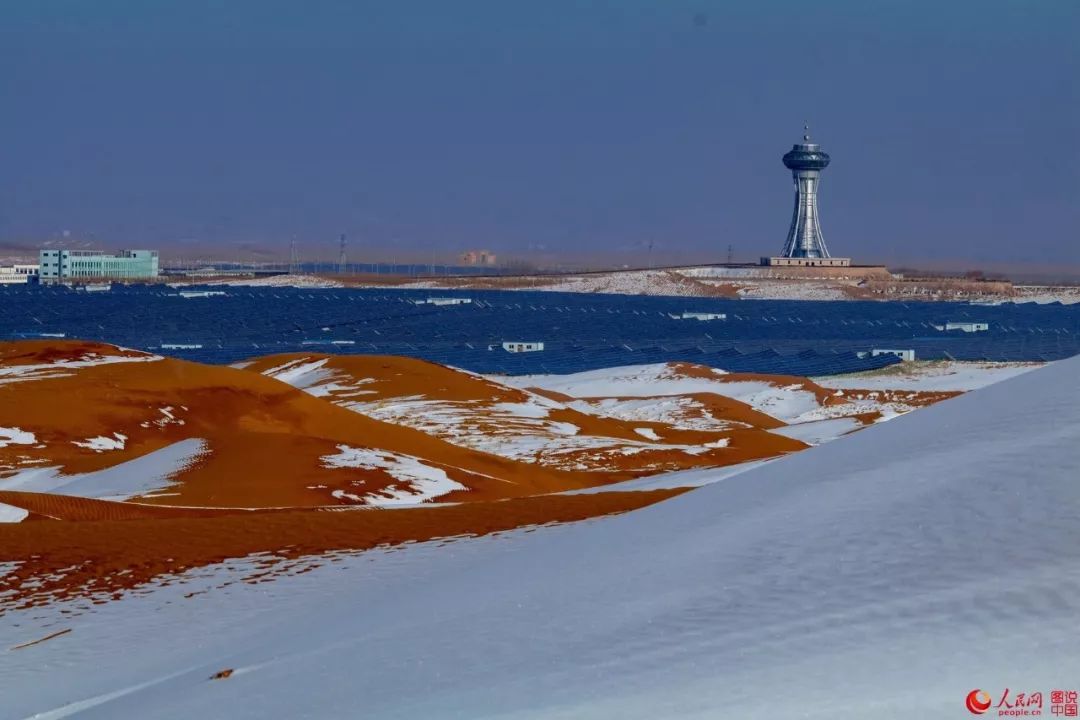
[(965, 326), (443, 301), (18, 274), (516, 347), (700, 316), (67, 265), (905, 355), (477, 257), (200, 293)]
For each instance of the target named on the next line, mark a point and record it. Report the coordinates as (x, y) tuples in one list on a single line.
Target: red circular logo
[(977, 702)]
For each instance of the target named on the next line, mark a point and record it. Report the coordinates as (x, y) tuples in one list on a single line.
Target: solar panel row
[(579, 332)]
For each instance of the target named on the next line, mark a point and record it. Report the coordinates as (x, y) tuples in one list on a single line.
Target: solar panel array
[(579, 332)]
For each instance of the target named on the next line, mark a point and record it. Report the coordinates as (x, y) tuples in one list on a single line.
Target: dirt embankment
[(856, 282), (945, 288)]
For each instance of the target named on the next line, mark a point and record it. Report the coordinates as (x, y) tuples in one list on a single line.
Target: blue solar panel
[(580, 332)]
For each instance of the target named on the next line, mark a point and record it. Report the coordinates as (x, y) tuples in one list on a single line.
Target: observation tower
[(805, 245)]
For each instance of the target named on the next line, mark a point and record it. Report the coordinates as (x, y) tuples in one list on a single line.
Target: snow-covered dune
[(90, 420), (501, 417), (150, 473), (884, 575)]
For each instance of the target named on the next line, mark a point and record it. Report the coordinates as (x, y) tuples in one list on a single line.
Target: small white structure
[(905, 355), (200, 293), (444, 301), (700, 316), (180, 346), (94, 287), (516, 347), (965, 326), (18, 274)]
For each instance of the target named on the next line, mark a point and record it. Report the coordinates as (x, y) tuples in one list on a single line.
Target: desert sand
[(119, 467)]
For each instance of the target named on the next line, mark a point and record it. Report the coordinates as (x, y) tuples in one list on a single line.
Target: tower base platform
[(806, 262)]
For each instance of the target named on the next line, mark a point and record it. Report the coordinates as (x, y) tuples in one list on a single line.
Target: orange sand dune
[(266, 439), (46, 506), (104, 558), (827, 397), (382, 377), (717, 406), (408, 391), (36, 352), (90, 406), (265, 475)]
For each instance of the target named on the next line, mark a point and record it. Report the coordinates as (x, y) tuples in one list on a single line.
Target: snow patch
[(423, 481), (788, 403), (16, 436), (315, 379), (300, 373), (683, 478), (929, 377), (101, 443), (819, 431), (12, 514), (150, 473), (526, 409), (168, 417), (60, 368), (308, 282)]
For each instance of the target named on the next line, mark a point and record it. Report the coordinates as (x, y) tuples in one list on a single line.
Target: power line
[(294, 258)]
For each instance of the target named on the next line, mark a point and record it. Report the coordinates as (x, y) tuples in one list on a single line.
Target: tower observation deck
[(805, 245)]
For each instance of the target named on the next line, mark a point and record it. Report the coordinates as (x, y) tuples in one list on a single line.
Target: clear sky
[(544, 128)]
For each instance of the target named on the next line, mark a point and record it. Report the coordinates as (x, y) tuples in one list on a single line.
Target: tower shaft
[(804, 239)]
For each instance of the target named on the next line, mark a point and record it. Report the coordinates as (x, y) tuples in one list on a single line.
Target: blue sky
[(544, 129)]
